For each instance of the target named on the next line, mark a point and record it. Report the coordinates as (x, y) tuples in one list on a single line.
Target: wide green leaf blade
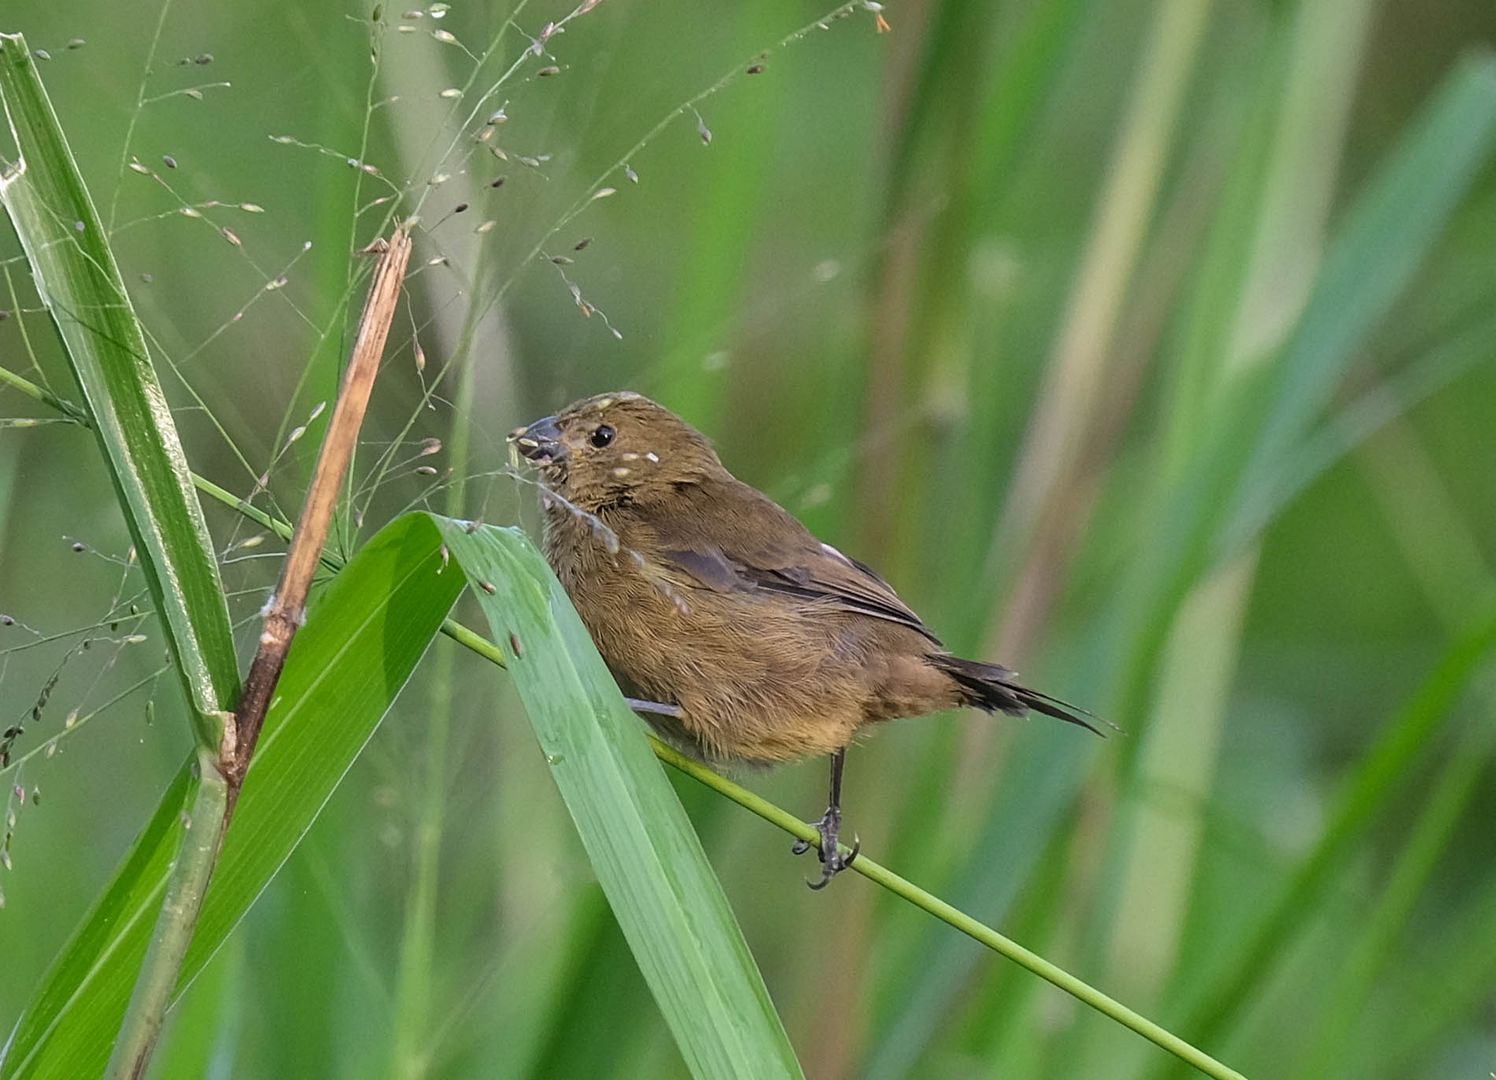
[(78, 280), (647, 857), (363, 639)]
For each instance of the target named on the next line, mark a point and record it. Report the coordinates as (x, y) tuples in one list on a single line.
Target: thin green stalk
[(184, 898), (45, 396), (869, 869), (904, 889), (946, 913)]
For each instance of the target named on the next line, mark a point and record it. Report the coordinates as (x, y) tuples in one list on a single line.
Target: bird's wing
[(728, 537)]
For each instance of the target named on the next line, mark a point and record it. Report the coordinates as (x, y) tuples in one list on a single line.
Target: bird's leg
[(833, 861), (653, 708)]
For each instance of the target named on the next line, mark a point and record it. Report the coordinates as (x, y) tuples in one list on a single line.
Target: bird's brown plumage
[(703, 593)]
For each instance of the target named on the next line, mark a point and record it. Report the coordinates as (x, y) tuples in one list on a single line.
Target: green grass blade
[(1403, 742), (1034, 792), (645, 853), (1386, 236), (1218, 505), (361, 642), (80, 284), (1373, 949), (1456, 983)]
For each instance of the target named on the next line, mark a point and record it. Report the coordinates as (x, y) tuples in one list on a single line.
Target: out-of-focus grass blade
[(1450, 139), (1455, 982), (1384, 239), (361, 642), (1400, 746), (645, 853), (80, 284), (1034, 792), (1365, 964), (1218, 505)]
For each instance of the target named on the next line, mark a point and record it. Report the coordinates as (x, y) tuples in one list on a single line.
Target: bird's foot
[(833, 862)]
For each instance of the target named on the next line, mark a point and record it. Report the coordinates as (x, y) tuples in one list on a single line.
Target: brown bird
[(751, 640)]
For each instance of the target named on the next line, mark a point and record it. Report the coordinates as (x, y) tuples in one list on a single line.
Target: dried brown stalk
[(286, 610)]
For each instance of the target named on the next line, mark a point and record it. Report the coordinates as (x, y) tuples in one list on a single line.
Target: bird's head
[(613, 448)]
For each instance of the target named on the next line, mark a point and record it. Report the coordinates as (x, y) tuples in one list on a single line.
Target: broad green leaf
[(364, 637), (78, 280), (646, 855)]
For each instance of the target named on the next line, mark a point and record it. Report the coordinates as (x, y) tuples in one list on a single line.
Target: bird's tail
[(996, 689)]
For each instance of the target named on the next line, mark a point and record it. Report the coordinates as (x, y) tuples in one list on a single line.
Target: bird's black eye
[(602, 435)]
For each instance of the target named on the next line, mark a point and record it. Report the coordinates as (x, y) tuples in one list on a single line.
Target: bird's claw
[(833, 862), (836, 864)]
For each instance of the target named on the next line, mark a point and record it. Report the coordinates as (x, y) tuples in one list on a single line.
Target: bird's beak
[(541, 441)]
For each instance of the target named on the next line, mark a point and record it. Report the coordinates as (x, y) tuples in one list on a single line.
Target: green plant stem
[(979, 932), (873, 871), (185, 889), (45, 396), (907, 890)]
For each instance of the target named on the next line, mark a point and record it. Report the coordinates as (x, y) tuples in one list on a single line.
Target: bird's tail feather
[(996, 689)]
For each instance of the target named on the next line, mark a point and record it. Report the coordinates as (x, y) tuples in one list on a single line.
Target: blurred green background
[(1145, 347)]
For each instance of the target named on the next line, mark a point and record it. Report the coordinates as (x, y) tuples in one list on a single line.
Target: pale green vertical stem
[(1181, 753), (413, 986), (184, 898)]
